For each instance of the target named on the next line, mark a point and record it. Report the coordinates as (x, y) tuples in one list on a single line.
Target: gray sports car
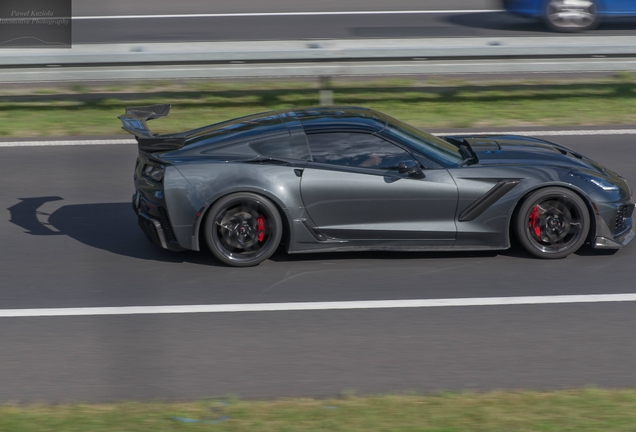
[(349, 179)]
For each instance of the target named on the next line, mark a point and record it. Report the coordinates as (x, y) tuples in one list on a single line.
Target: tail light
[(153, 172)]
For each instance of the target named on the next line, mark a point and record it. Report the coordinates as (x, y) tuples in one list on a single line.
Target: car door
[(352, 189)]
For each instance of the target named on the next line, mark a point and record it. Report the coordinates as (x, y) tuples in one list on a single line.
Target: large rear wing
[(134, 121)]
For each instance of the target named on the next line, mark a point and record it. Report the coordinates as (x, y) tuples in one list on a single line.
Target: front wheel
[(552, 223), (571, 16), (243, 229)]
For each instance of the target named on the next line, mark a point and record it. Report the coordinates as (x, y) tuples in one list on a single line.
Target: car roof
[(324, 119), (272, 123)]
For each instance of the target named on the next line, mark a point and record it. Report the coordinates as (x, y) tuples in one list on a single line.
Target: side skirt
[(449, 248)]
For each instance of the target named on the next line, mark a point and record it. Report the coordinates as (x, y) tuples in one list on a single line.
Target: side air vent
[(623, 213), (488, 199)]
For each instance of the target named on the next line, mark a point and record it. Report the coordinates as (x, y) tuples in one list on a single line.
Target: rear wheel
[(243, 229), (552, 223), (571, 16)]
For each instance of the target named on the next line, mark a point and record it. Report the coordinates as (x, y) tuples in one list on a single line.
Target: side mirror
[(411, 168)]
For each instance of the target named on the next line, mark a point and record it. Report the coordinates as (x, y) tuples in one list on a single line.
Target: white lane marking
[(316, 306), (65, 142), (274, 14), (522, 133)]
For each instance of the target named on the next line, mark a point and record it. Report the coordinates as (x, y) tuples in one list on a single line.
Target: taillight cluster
[(153, 172)]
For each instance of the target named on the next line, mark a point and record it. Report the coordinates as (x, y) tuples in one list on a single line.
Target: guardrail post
[(325, 95)]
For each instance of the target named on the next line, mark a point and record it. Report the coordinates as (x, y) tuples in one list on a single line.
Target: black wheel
[(552, 223), (243, 229), (571, 16)]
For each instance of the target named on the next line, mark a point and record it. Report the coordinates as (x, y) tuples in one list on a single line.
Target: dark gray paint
[(387, 203)]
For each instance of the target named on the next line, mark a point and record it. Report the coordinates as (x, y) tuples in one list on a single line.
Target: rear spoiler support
[(134, 121)]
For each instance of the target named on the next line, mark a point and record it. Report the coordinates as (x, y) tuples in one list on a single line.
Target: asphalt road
[(459, 22), (157, 7), (199, 29), (70, 240)]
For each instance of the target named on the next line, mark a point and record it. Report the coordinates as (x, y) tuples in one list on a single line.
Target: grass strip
[(82, 110), (562, 411)]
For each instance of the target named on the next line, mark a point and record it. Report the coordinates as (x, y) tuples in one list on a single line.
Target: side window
[(355, 150), (292, 147)]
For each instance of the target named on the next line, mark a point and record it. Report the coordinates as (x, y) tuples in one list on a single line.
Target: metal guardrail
[(320, 58)]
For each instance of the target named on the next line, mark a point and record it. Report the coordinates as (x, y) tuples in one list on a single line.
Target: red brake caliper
[(260, 228), (533, 222)]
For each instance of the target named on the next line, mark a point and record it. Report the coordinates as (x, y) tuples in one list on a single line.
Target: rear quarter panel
[(208, 181)]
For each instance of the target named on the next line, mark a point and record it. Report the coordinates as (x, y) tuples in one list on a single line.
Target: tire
[(569, 18), (243, 229), (552, 223)]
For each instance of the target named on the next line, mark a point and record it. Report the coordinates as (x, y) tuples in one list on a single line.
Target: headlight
[(597, 181), (153, 172)]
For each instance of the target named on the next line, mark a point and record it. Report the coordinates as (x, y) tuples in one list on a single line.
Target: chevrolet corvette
[(347, 179)]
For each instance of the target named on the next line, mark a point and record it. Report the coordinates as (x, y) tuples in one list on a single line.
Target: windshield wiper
[(467, 161), (468, 154), (465, 150)]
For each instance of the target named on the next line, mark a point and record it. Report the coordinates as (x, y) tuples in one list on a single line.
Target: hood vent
[(566, 153), (484, 145)]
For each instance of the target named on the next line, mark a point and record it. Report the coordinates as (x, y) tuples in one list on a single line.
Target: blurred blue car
[(571, 15)]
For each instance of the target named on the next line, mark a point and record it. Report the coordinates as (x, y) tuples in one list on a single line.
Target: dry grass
[(81, 110), (562, 411)]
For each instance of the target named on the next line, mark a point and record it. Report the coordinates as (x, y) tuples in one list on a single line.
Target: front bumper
[(606, 243), (618, 232)]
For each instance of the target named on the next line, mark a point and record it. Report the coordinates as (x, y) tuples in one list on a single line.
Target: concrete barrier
[(322, 58)]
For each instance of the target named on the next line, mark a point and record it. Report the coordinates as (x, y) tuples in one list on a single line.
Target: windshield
[(423, 142)]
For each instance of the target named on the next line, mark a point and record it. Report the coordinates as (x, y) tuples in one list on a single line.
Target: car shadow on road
[(501, 21), (107, 226)]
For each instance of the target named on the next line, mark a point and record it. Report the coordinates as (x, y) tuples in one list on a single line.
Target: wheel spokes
[(243, 229), (554, 224), (571, 13)]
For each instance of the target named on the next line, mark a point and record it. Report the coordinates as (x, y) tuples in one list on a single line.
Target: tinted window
[(355, 150), (293, 147), (244, 128), (425, 143)]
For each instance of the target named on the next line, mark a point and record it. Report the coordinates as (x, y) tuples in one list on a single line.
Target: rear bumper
[(154, 223), (153, 230)]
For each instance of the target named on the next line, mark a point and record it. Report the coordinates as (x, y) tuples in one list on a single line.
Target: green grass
[(562, 411), (80, 110)]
